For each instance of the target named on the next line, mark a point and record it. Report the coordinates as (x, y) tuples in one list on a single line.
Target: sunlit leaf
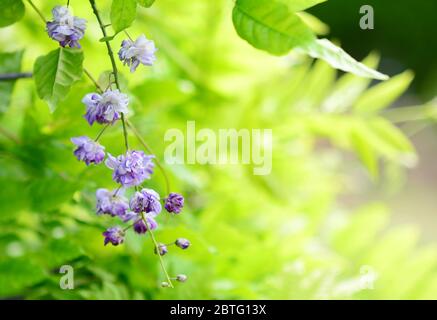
[(365, 151), (146, 3), (299, 5), (123, 13), (348, 88), (384, 94), (394, 137), (314, 23), (270, 26), (339, 59)]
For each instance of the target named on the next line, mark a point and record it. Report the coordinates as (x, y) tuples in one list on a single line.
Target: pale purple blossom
[(132, 168), (65, 28), (112, 203), (88, 150), (146, 200), (105, 108), (142, 50), (114, 235)]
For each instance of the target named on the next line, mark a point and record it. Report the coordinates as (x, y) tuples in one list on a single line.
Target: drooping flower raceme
[(146, 200), (65, 28), (105, 108), (132, 168), (142, 50), (115, 235), (88, 150), (174, 203)]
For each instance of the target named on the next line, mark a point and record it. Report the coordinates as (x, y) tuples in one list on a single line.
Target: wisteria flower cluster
[(131, 169)]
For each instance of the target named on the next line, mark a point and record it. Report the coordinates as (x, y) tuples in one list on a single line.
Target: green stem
[(114, 66), (123, 122), (130, 38), (155, 243), (88, 74), (37, 11), (145, 145), (101, 132), (131, 225)]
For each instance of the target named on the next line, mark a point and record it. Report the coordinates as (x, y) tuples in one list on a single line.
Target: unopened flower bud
[(181, 277), (182, 243), (162, 249)]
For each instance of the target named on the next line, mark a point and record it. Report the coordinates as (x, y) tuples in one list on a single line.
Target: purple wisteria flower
[(65, 28), (128, 216), (112, 203), (132, 168), (141, 227), (142, 50), (115, 235), (105, 108), (146, 200), (182, 243), (174, 203), (88, 150)]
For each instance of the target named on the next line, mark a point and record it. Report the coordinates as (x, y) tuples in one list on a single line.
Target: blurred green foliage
[(280, 236)]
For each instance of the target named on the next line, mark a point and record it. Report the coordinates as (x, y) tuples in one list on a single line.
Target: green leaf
[(319, 27), (13, 197), (123, 13), (10, 12), (146, 3), (18, 274), (339, 59), (394, 137), (270, 25), (9, 62), (61, 251), (56, 72), (350, 240), (364, 150), (49, 193), (349, 88), (299, 5), (387, 140), (384, 94)]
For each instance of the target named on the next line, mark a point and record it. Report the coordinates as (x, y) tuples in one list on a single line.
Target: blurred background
[(403, 37), (347, 212)]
